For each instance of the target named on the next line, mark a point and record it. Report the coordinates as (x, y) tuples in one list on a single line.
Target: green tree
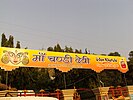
[(130, 58), (57, 48), (18, 45), (112, 78), (4, 41), (11, 42), (76, 51), (114, 54), (129, 74), (86, 52), (68, 49), (50, 49)]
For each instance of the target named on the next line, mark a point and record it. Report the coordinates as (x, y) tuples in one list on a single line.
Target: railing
[(57, 94)]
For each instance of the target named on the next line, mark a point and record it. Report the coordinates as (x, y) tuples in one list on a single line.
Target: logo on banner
[(123, 64), (15, 57)]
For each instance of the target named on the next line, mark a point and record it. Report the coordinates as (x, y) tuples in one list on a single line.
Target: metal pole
[(98, 80), (64, 80), (6, 79), (125, 79), (0, 78)]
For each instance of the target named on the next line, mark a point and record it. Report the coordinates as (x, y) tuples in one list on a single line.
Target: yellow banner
[(11, 58)]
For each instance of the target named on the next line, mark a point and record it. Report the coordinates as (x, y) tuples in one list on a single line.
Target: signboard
[(11, 58)]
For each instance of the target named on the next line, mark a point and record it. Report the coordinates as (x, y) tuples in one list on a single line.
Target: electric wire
[(48, 38)]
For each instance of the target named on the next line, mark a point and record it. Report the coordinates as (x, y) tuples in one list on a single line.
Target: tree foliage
[(9, 42), (50, 49), (114, 54), (68, 49), (18, 45), (4, 42), (112, 77), (129, 74), (57, 48), (78, 51)]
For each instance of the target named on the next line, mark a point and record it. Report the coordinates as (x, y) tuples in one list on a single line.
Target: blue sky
[(102, 26)]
